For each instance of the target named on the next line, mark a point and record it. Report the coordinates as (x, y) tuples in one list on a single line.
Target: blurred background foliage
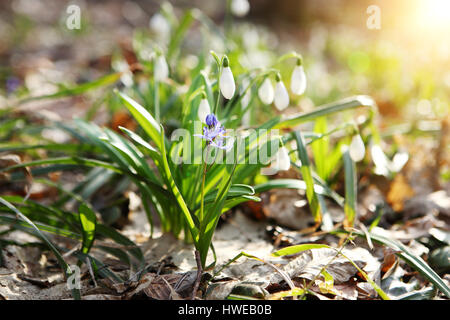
[(404, 66)]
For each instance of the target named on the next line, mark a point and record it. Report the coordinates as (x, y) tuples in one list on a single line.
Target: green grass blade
[(234, 191), (350, 190), (320, 148), (176, 192), (144, 118), (88, 222), (61, 261), (66, 160), (297, 248), (414, 261), (303, 247), (82, 88), (177, 36), (307, 176), (328, 109)]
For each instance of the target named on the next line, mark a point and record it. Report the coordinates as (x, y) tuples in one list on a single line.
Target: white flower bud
[(298, 80), (240, 8), (265, 92), (203, 110), (227, 85), (357, 149), (159, 25), (161, 71), (280, 162), (281, 96)]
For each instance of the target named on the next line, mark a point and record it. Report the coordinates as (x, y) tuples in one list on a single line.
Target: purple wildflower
[(214, 133), (211, 120), (12, 83)]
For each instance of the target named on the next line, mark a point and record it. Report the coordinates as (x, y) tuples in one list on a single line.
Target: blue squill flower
[(214, 133), (12, 83)]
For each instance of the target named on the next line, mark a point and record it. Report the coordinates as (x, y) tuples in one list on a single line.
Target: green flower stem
[(203, 186), (290, 55), (218, 90), (203, 193), (241, 96), (156, 101)]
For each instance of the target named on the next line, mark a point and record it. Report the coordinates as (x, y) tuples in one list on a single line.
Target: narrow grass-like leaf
[(328, 109), (88, 222), (145, 119), (66, 160), (297, 248), (414, 261), (61, 261), (307, 176), (209, 223), (289, 293), (79, 89), (320, 189), (25, 226), (177, 36), (350, 190), (176, 192), (234, 191), (302, 247), (320, 148)]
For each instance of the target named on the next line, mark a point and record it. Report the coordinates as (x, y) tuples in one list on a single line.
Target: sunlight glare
[(436, 13)]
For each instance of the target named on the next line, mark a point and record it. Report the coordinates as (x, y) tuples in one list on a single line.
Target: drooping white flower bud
[(240, 8), (203, 109), (281, 95), (265, 92), (357, 148), (126, 74), (227, 85), (298, 80), (159, 25), (161, 71), (280, 162)]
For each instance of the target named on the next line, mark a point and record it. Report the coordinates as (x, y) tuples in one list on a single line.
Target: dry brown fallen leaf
[(164, 287), (310, 263), (288, 208), (399, 192), (9, 160)]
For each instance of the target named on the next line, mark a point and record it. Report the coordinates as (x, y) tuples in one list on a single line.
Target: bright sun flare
[(436, 12)]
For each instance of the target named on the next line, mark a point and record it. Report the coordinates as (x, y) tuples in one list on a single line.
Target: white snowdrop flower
[(240, 8), (159, 25), (227, 85), (265, 92), (357, 148), (203, 109), (380, 160), (127, 76), (282, 161), (298, 80), (161, 69), (399, 161), (281, 95)]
